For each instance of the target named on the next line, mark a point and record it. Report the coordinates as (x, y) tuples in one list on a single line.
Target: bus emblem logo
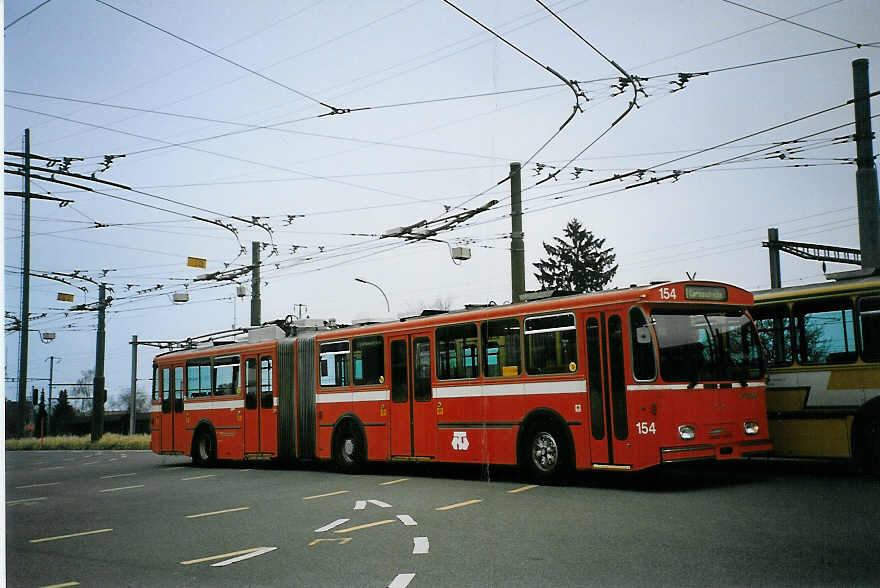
[(460, 441)]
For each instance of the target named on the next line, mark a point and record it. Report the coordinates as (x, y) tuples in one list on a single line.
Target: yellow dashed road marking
[(457, 505), (394, 482), (217, 512), (24, 500), (65, 585), (326, 495), (342, 541), (122, 488), (44, 539), (221, 556), (522, 489), (117, 475), (38, 485), (367, 526), (200, 477)]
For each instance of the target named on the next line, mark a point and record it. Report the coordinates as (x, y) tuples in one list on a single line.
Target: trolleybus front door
[(179, 441), (610, 437), (413, 417)]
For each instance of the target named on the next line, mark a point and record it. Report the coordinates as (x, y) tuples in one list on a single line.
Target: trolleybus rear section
[(618, 380)]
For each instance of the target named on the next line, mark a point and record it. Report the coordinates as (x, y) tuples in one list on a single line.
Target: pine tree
[(577, 262), (62, 412)]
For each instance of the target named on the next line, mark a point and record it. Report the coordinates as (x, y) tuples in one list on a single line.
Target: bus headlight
[(686, 432), (751, 427)]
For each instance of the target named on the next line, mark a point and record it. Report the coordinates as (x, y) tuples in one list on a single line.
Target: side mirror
[(643, 334)]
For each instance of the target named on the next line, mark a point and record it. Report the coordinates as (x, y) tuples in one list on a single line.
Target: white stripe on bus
[(214, 405), (366, 396), (512, 389)]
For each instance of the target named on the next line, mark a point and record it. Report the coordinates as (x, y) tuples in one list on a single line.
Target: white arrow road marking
[(362, 504), (329, 526), (420, 545), (407, 520), (260, 551), (401, 580)]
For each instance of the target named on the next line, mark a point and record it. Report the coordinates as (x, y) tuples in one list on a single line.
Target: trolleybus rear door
[(268, 407), (167, 410), (251, 406), (413, 416)]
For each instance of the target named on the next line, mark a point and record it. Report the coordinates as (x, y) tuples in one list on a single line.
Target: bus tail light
[(751, 427), (686, 432)]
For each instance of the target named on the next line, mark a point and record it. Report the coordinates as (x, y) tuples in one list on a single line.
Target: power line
[(797, 24), (333, 109), (28, 13)]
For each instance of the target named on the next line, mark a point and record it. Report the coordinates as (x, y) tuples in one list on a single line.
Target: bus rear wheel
[(868, 445), (349, 449), (204, 450), (544, 455)]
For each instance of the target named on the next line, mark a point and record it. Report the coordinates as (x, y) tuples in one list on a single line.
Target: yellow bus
[(823, 390)]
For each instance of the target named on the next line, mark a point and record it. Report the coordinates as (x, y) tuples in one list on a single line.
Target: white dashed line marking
[(332, 525), (401, 581), (407, 520), (420, 545)]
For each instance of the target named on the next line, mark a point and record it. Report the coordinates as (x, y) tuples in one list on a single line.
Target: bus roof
[(819, 289)]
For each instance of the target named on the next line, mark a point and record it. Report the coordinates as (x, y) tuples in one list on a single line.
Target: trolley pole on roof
[(255, 283), (866, 174), (517, 247)]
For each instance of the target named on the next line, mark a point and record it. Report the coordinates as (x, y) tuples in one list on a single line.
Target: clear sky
[(186, 90)]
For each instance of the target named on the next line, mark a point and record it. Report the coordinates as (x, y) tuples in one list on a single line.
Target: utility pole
[(25, 288), (98, 391), (134, 371), (775, 271), (52, 359), (866, 173), (517, 248), (255, 283)]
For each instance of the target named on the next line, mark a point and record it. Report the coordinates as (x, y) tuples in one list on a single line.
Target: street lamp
[(387, 304)]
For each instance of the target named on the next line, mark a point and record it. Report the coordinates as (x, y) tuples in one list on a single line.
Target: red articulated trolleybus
[(618, 380)]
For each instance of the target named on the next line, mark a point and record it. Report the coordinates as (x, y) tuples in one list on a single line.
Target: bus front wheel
[(545, 453)]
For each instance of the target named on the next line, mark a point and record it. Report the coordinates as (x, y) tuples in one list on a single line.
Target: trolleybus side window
[(618, 379), (155, 383), (266, 399), (457, 352), (334, 364), (550, 344), (368, 359), (642, 343), (774, 328), (421, 369), (198, 378), (826, 332), (501, 348), (399, 376), (594, 371), (226, 375), (250, 383), (869, 321), (166, 389), (178, 389)]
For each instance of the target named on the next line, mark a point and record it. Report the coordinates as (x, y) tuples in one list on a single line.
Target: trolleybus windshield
[(707, 347)]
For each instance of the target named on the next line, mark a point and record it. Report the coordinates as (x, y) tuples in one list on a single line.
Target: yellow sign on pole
[(65, 297), (197, 262)]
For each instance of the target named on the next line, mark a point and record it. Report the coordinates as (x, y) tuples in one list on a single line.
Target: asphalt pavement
[(133, 518)]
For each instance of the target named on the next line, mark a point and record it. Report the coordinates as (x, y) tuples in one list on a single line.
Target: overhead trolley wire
[(26, 14), (333, 109), (797, 24)]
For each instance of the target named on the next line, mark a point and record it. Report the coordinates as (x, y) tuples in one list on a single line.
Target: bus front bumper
[(733, 450)]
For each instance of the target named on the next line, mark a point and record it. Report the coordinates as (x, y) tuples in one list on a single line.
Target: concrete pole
[(517, 247), (25, 288), (98, 390), (52, 359), (255, 284), (866, 174), (775, 271), (134, 371)]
